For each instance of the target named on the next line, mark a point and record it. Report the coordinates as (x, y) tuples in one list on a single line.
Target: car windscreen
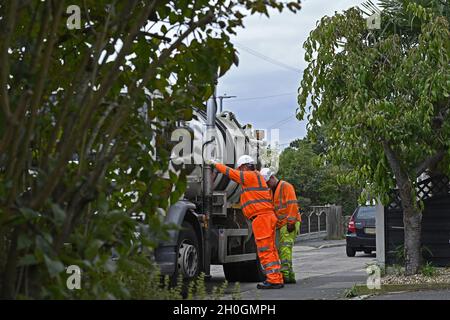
[(366, 213)]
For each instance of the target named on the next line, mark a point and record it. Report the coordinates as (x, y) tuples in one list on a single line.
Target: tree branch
[(27, 92), (97, 128), (120, 118), (394, 163), (42, 78), (87, 75), (154, 35), (4, 59), (167, 52), (430, 162), (105, 86), (83, 195)]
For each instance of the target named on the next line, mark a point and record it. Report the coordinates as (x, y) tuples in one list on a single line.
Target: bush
[(428, 270), (84, 133)]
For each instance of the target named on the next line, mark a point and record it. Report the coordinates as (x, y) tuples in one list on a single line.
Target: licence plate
[(369, 230)]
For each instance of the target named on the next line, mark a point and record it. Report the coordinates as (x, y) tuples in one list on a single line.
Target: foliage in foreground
[(85, 119)]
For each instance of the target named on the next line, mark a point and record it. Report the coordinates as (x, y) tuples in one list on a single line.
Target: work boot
[(268, 285)]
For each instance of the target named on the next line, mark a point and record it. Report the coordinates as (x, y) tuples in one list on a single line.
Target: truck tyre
[(188, 253), (254, 271), (247, 271)]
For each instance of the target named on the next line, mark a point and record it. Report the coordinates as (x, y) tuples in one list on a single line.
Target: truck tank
[(231, 141)]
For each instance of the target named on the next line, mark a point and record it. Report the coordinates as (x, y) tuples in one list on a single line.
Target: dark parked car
[(361, 231)]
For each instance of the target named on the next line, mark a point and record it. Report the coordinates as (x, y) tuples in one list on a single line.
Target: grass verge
[(362, 290)]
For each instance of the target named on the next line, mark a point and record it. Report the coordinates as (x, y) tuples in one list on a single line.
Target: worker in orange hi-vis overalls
[(289, 219), (256, 203)]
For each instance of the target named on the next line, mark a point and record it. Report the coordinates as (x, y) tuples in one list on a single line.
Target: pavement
[(416, 295), (323, 272)]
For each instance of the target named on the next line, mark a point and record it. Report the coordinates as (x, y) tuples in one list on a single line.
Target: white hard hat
[(245, 159), (266, 173)]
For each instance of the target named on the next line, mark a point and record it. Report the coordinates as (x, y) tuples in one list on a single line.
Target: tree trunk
[(412, 217), (9, 276), (412, 220)]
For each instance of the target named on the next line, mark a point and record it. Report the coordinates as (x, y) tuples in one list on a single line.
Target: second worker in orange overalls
[(257, 206), (288, 226)]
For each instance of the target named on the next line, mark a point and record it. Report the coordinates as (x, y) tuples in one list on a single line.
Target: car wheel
[(368, 251), (351, 252)]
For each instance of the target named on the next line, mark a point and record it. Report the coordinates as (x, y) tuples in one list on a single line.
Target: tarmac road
[(323, 272)]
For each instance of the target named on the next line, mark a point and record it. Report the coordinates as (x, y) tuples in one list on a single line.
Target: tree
[(384, 95), (316, 181), (83, 125)]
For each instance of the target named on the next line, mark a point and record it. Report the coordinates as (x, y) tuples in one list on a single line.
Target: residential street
[(323, 272)]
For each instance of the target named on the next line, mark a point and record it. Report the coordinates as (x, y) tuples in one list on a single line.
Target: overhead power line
[(369, 5), (278, 123), (263, 97), (268, 59), (282, 122)]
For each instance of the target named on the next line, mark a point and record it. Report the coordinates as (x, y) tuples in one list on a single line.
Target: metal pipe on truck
[(208, 181)]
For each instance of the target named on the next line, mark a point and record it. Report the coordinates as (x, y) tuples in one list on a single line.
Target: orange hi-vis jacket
[(286, 204), (256, 196)]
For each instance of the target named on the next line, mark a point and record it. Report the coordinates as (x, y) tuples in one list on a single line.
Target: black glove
[(290, 227)]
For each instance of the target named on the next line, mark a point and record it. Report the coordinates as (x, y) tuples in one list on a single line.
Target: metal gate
[(322, 221)]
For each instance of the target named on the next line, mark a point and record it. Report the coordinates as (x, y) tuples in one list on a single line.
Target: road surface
[(323, 272)]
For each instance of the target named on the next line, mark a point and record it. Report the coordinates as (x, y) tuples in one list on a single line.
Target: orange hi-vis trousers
[(264, 225), (256, 203)]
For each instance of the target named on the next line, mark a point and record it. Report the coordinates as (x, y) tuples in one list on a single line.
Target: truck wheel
[(247, 271), (231, 272), (255, 272), (188, 253)]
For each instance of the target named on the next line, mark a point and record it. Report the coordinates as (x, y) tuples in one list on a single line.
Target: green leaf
[(59, 214), (27, 260), (92, 250), (53, 266), (23, 242), (29, 213)]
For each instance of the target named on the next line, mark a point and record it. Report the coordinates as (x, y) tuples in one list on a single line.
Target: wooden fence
[(435, 194)]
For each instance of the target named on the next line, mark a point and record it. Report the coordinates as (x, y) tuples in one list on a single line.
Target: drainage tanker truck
[(213, 230)]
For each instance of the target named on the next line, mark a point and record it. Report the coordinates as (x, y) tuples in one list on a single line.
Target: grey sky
[(281, 38)]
